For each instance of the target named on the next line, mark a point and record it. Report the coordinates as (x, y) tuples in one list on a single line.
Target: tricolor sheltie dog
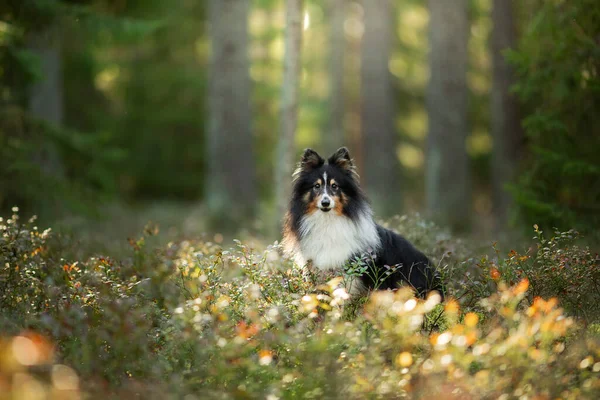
[(330, 226)]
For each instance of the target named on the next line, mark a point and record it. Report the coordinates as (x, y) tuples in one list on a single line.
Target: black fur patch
[(407, 263)]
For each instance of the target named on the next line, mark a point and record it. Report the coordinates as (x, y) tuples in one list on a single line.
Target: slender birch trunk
[(335, 137), (447, 176), (381, 174), (46, 100), (290, 97), (46, 103), (231, 177), (506, 127)]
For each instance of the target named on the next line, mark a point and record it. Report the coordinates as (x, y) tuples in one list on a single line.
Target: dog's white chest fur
[(328, 240)]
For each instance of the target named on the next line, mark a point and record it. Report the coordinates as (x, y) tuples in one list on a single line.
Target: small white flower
[(341, 293)]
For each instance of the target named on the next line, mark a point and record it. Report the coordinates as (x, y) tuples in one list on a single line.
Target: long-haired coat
[(330, 226)]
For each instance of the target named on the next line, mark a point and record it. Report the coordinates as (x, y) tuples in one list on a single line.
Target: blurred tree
[(285, 155), (46, 93), (506, 125), (267, 25), (32, 123), (158, 88), (231, 178), (334, 137), (447, 176), (381, 174)]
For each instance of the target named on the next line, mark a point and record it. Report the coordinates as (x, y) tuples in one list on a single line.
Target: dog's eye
[(334, 186), (317, 186)]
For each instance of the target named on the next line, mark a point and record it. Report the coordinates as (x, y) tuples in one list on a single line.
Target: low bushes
[(194, 319)]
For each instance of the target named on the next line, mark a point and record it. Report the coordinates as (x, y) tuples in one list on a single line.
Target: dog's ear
[(310, 160), (341, 158)]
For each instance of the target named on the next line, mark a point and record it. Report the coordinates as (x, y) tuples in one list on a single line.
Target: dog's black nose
[(325, 202)]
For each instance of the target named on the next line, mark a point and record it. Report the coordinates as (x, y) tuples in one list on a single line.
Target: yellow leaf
[(404, 359), (471, 319)]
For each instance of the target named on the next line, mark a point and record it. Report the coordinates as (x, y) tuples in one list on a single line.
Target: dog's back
[(406, 263)]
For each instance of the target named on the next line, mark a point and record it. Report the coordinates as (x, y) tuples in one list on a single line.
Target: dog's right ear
[(310, 160)]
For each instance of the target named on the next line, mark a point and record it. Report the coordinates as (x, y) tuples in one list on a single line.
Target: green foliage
[(96, 311), (50, 168), (364, 265), (127, 88), (556, 266), (160, 87), (195, 319), (46, 167), (559, 82)]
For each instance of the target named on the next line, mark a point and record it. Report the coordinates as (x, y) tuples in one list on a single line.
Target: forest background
[(155, 140), (479, 114)]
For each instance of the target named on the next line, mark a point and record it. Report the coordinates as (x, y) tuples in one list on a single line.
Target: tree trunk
[(231, 181), (381, 174), (335, 137), (290, 95), (46, 95), (506, 126), (447, 176)]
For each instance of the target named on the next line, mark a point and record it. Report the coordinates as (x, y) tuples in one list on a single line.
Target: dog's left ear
[(342, 159)]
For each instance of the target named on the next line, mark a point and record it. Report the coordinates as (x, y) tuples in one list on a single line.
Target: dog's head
[(327, 186)]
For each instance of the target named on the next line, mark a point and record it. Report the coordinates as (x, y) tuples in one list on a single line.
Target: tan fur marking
[(306, 197), (312, 207), (289, 241), (340, 202)]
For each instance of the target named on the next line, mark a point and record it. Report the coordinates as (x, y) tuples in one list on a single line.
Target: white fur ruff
[(328, 240)]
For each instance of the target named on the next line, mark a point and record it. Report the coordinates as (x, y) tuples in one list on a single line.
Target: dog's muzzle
[(325, 204)]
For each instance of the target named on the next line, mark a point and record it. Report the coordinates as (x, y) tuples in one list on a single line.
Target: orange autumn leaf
[(247, 331), (522, 286), (494, 273), (471, 338)]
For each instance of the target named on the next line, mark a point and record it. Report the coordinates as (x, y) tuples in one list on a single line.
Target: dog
[(330, 226)]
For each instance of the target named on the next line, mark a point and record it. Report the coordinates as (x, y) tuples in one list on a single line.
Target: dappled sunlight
[(106, 79), (354, 26), (306, 21), (413, 125), (411, 156), (479, 143)]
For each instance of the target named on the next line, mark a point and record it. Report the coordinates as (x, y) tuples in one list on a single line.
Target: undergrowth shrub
[(101, 314), (555, 267), (194, 319)]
